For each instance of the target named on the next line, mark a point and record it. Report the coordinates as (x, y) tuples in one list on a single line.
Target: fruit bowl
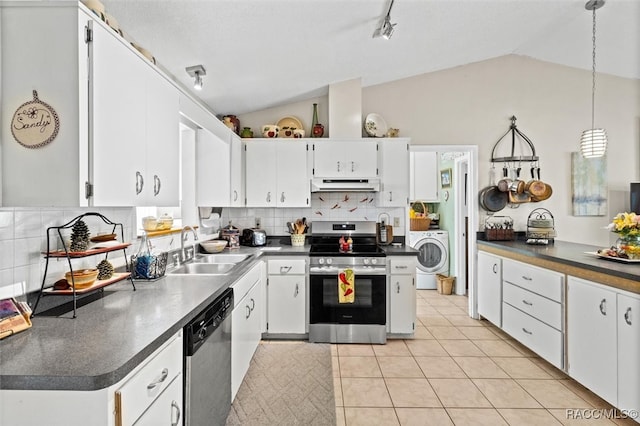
[(83, 278), (213, 246)]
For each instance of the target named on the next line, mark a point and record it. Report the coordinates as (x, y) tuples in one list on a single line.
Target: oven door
[(369, 306)]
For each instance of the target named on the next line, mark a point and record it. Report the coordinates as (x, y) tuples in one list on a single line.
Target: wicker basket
[(445, 284), (420, 223)]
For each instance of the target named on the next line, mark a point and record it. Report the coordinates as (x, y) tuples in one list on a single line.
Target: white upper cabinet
[(393, 157), (118, 139), (237, 171), (213, 170), (276, 173), (345, 159), (423, 172)]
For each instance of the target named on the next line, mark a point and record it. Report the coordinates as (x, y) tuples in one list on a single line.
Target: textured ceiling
[(262, 53)]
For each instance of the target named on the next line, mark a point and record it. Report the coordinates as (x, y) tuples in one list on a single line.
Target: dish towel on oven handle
[(346, 286)]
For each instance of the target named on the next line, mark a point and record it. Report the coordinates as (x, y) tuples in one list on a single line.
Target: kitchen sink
[(203, 269), (220, 258)]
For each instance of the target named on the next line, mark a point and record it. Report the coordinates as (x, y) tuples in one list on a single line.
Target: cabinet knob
[(157, 184), (627, 316), (235, 195), (526, 302), (282, 198), (524, 277), (526, 331), (139, 182), (285, 269), (338, 168), (495, 268), (253, 304), (390, 195), (176, 406), (398, 287), (295, 294), (163, 377), (353, 166), (248, 312), (269, 197), (603, 307)]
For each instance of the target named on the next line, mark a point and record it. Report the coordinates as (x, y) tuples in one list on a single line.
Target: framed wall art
[(445, 178)]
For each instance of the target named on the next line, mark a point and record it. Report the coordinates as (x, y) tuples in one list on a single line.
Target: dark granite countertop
[(115, 333), (575, 256)]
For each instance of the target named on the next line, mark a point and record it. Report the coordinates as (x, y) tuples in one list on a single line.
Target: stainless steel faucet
[(183, 238)]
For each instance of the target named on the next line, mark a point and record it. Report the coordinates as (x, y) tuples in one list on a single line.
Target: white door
[(360, 159), (591, 337), (490, 287), (213, 166), (118, 115), (163, 149), (393, 156), (402, 305), (286, 304), (293, 185), (237, 171), (261, 173), (628, 352)]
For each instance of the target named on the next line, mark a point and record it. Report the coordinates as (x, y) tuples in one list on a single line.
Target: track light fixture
[(386, 29), (593, 142), (196, 71)]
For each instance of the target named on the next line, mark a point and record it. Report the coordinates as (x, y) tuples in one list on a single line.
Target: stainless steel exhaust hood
[(341, 185)]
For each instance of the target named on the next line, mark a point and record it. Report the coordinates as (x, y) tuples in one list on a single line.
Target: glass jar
[(630, 245)]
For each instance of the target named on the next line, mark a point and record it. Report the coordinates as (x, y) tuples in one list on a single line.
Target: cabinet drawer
[(286, 266), (542, 281), (539, 307), (242, 286), (404, 265), (537, 336), (139, 392)]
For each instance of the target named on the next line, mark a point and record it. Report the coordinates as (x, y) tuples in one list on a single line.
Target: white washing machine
[(433, 257)]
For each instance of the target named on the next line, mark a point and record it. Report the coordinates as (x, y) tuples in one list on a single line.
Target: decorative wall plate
[(288, 125), (35, 123), (375, 125)]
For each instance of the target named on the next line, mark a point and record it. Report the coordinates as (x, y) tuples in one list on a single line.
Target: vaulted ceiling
[(262, 53)]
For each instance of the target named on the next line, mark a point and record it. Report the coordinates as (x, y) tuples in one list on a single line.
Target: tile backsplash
[(330, 206), (23, 238)]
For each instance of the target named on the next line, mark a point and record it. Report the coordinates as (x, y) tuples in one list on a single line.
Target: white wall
[(472, 104)]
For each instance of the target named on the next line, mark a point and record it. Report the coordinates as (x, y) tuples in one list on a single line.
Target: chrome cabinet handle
[(157, 184), (269, 197), (248, 312), (285, 269), (527, 302), (390, 195), (253, 304), (603, 307), (495, 268), (338, 166), (235, 195), (527, 278), (282, 198), (295, 294), (175, 405), (163, 377), (353, 166), (627, 316), (526, 331), (139, 182), (401, 266), (398, 287)]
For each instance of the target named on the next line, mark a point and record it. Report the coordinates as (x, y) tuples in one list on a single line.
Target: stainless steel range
[(364, 320)]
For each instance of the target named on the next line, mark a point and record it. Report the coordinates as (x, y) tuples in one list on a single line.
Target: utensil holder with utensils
[(297, 240)]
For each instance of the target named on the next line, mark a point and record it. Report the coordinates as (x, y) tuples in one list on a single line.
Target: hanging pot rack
[(513, 129)]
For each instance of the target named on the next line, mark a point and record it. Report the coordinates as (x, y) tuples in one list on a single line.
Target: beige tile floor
[(457, 371)]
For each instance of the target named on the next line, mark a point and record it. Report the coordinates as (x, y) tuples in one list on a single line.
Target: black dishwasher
[(207, 364)]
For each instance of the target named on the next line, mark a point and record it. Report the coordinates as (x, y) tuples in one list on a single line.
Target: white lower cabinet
[(167, 409), (246, 324), (591, 337), (401, 316), (490, 287), (628, 352), (286, 296)]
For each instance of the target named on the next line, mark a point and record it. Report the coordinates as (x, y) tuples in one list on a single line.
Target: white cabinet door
[(393, 157), (348, 158), (118, 114), (245, 335), (261, 173), (162, 148), (424, 176), (490, 287), (293, 183), (402, 304), (591, 337), (167, 409), (286, 304), (213, 169), (237, 171), (628, 352)]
